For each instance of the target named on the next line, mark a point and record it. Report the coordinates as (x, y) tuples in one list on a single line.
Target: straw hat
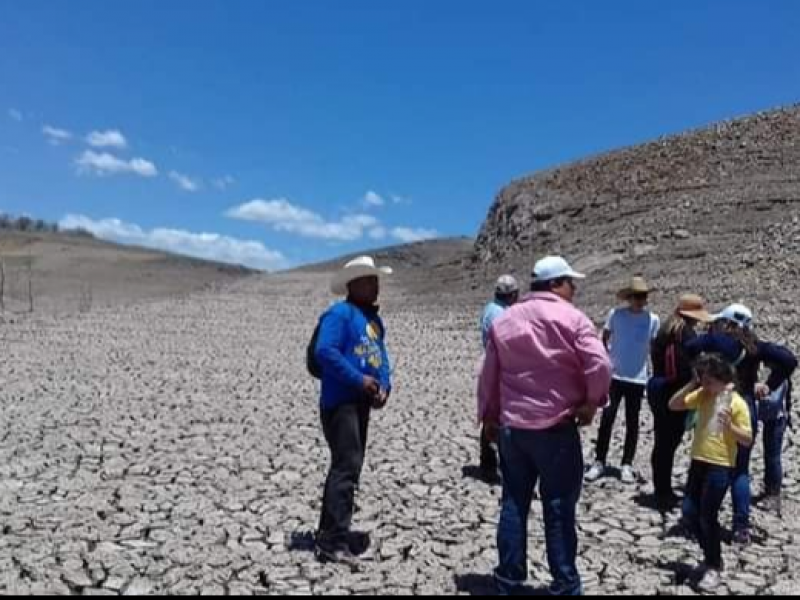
[(637, 285), (693, 306)]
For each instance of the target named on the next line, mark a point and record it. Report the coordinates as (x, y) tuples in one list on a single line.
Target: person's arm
[(489, 405), (595, 363), (736, 420), (742, 435), (685, 399), (782, 363), (608, 330), (606, 339), (330, 352), (697, 345)]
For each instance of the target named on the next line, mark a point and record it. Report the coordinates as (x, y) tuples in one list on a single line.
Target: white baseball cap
[(555, 267), (506, 285), (736, 313)]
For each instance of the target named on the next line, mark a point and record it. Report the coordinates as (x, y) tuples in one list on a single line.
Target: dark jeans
[(741, 490), (489, 462), (553, 458), (706, 491), (670, 428), (345, 430), (632, 393), (774, 432)]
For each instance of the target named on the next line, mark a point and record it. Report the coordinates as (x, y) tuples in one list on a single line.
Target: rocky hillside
[(714, 210)]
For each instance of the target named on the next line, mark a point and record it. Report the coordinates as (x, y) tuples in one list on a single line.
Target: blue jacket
[(351, 344), (780, 360)]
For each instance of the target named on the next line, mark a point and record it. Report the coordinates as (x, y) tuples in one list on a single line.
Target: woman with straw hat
[(672, 370)]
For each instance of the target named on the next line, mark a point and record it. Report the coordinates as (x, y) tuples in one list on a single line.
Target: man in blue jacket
[(356, 378)]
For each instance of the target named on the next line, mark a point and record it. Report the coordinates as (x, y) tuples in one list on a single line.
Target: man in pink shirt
[(546, 373)]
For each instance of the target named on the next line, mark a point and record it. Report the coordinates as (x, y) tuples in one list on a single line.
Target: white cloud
[(101, 164), (373, 200), (208, 246), (408, 235), (15, 114), (223, 183), (107, 139), (378, 233), (184, 182), (56, 136), (283, 216), (401, 200)]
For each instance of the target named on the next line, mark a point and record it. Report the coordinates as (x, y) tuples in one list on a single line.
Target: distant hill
[(73, 272), (419, 255)]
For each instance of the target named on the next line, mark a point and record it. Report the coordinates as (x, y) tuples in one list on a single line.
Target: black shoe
[(490, 474), (358, 543), (667, 504), (333, 554)]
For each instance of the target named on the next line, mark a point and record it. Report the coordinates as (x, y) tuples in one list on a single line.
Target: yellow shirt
[(720, 450)]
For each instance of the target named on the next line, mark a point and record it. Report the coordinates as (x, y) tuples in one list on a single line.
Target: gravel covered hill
[(715, 210)]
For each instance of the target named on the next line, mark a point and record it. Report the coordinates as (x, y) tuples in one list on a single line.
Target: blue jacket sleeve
[(730, 349), (781, 362), (330, 351)]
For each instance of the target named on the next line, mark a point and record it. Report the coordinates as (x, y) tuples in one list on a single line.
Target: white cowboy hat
[(354, 270)]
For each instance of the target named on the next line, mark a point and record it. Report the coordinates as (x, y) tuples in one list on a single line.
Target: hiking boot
[(742, 537), (711, 582), (628, 475), (595, 473)]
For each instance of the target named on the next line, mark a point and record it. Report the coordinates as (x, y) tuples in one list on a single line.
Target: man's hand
[(381, 400), (586, 414), (762, 391), (492, 430), (371, 387)]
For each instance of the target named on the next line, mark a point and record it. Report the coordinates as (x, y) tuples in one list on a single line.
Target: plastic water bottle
[(723, 402)]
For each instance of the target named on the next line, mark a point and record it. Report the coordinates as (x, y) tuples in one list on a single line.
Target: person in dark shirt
[(672, 371)]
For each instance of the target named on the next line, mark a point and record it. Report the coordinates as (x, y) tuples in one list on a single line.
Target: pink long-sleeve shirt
[(544, 360)]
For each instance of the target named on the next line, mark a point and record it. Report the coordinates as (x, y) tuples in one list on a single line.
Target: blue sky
[(281, 132)]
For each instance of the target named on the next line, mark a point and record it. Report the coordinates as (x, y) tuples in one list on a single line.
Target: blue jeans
[(706, 491), (555, 459), (741, 489), (774, 432)]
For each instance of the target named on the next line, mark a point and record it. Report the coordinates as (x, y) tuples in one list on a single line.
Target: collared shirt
[(544, 360)]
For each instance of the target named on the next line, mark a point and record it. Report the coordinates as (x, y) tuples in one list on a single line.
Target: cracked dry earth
[(174, 447)]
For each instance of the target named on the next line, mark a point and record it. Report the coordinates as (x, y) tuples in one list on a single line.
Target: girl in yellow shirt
[(723, 423)]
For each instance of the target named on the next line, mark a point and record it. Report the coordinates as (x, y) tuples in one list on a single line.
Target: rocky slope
[(715, 210)]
